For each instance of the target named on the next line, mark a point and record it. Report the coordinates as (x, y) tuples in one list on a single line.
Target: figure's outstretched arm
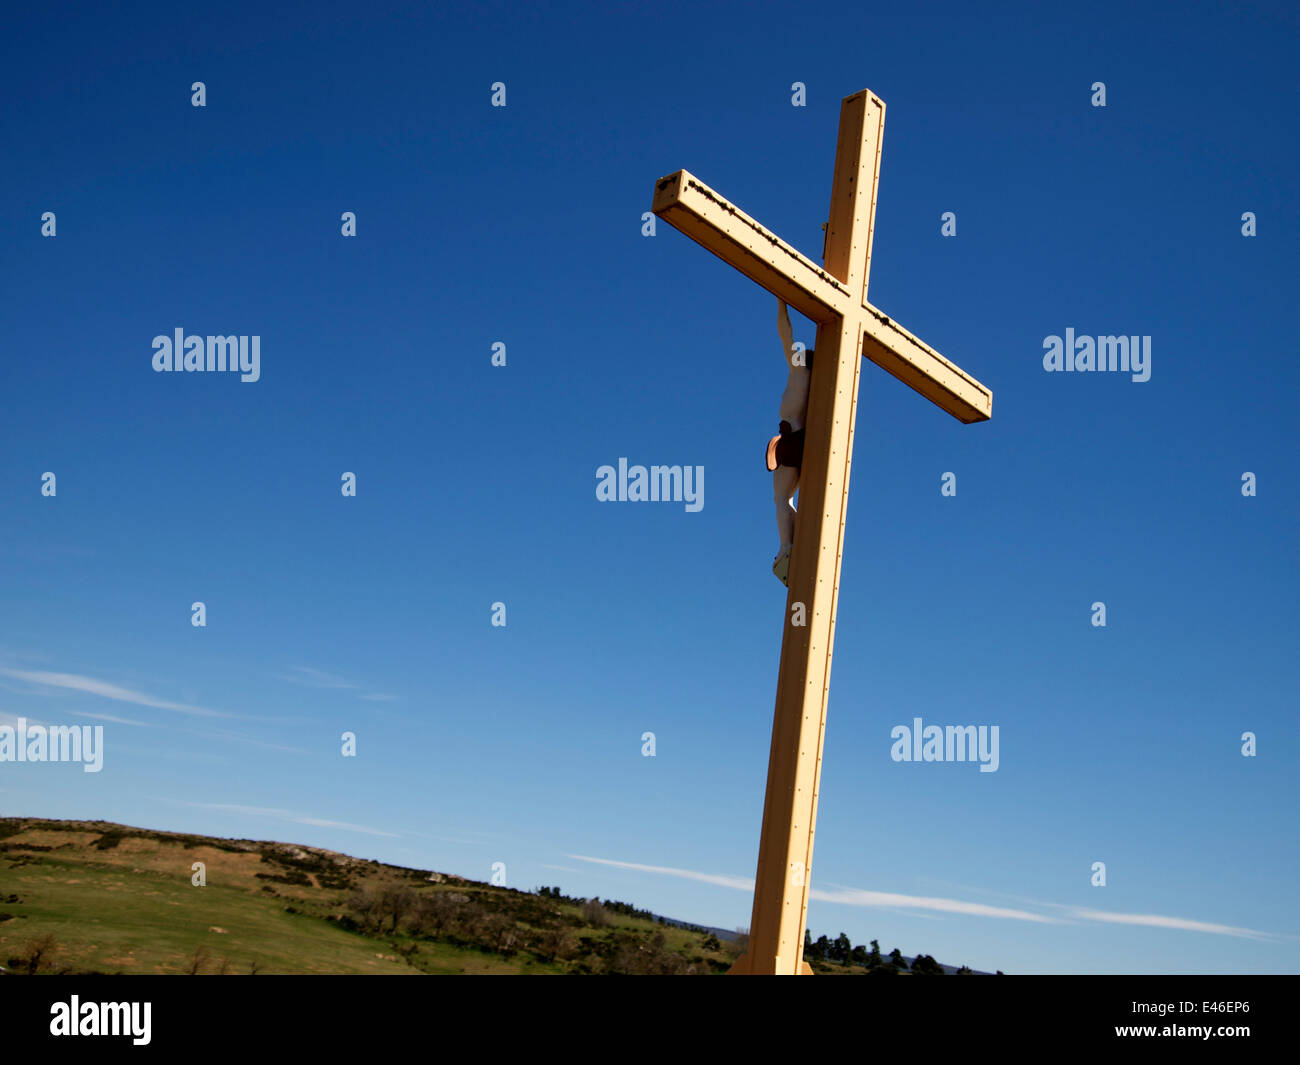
[(787, 334)]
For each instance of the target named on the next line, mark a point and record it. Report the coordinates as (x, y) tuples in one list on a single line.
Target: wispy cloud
[(26, 689), (239, 737), (106, 717), (1152, 920), (318, 678), (91, 686), (315, 678), (12, 721), (849, 896), (451, 839), (292, 817), (1085, 913), (740, 883)]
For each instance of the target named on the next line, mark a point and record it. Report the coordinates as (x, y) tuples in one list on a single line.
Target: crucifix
[(834, 295)]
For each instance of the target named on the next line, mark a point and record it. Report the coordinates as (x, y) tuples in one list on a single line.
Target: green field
[(106, 898)]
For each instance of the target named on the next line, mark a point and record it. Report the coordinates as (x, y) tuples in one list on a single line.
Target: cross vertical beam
[(834, 295), (780, 913)]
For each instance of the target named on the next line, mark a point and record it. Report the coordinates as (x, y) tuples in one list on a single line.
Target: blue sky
[(476, 484)]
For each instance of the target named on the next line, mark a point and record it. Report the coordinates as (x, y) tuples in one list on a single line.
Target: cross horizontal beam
[(920, 367), (686, 203)]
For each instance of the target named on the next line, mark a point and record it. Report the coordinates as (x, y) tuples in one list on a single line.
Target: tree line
[(842, 951)]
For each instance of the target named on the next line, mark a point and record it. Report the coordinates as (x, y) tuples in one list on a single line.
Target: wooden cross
[(834, 295)]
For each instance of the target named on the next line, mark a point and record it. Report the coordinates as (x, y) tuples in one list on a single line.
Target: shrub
[(36, 955), (594, 913)]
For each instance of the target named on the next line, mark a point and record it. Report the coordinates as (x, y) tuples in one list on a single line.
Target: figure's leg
[(785, 482)]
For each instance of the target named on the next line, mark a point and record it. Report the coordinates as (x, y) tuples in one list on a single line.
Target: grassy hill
[(96, 897), (116, 899)]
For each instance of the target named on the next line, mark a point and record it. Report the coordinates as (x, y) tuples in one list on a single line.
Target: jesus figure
[(785, 450)]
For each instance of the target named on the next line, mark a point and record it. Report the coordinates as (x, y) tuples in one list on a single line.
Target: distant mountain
[(722, 933)]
